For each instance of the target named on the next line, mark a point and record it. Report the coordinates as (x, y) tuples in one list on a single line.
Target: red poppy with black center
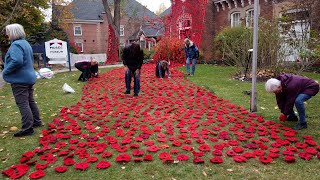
[(153, 149), (137, 153), (239, 159), (216, 160), (287, 153), (238, 149), (259, 152), (82, 166), (182, 157), (103, 165), (204, 148), (301, 145), (68, 162), (290, 159), (37, 174), (197, 154), (231, 153), (16, 171), (92, 159), (187, 148), (311, 151), (164, 155), (134, 146), (274, 155), (61, 169), (248, 155), (174, 151), (265, 159), (123, 158), (148, 157), (304, 156), (198, 160)]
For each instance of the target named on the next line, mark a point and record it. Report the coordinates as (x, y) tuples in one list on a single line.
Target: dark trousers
[(136, 77), (160, 70), (23, 94), (85, 71)]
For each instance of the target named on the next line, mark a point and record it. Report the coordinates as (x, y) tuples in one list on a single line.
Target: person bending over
[(161, 68), (292, 90), (89, 68)]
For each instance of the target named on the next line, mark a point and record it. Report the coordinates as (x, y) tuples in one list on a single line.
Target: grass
[(50, 99)]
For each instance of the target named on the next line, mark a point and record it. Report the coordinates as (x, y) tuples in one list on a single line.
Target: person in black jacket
[(132, 58), (89, 68), (192, 53)]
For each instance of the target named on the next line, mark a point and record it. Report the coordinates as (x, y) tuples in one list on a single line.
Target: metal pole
[(69, 61), (253, 103)]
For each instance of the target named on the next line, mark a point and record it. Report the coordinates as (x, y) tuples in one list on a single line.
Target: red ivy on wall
[(113, 47)]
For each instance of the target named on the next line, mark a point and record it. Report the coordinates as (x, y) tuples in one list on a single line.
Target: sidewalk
[(2, 82)]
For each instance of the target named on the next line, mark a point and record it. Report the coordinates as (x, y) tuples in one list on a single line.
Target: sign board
[(56, 49)]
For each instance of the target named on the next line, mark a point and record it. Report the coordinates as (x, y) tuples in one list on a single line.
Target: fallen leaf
[(1, 150), (263, 108), (276, 107), (13, 129), (5, 132), (123, 167), (230, 170), (204, 173)]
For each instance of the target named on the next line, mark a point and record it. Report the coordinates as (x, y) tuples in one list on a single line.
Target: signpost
[(58, 51), (253, 102)]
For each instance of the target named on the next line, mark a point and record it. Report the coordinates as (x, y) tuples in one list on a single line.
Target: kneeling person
[(89, 68), (161, 68)]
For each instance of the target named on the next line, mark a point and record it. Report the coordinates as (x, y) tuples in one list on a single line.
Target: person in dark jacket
[(292, 90), (89, 68), (19, 72), (132, 58), (161, 68), (192, 53)]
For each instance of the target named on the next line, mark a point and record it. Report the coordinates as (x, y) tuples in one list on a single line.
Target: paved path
[(2, 82)]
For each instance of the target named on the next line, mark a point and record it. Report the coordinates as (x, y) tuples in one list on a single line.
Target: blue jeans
[(136, 77), (193, 65), (299, 103)]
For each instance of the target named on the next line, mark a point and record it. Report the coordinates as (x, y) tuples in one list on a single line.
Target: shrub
[(170, 49)]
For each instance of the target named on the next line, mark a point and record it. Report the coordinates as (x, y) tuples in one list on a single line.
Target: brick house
[(148, 35), (89, 27), (219, 14)]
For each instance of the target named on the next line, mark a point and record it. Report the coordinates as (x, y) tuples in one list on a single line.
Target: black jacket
[(132, 57)]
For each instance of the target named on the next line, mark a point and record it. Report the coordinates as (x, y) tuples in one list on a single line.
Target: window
[(121, 30), (143, 44), (77, 31), (235, 19), (249, 18), (122, 44), (80, 46)]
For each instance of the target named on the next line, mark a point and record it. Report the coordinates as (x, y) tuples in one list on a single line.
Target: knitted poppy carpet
[(172, 120)]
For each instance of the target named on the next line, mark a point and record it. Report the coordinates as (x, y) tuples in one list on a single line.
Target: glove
[(283, 117)]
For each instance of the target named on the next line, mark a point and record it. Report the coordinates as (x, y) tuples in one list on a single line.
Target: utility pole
[(253, 103)]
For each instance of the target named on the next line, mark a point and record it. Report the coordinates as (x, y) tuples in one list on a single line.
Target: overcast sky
[(153, 5)]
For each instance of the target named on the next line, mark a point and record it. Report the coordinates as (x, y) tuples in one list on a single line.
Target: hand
[(282, 117), (169, 77)]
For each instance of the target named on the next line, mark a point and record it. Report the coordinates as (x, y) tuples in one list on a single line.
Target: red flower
[(274, 155), (290, 159), (288, 153), (16, 171), (92, 159), (61, 169), (148, 157), (204, 148), (311, 151), (164, 155), (238, 149), (239, 159), (198, 160), (176, 143), (137, 153), (301, 145), (41, 166), (265, 160), (68, 162), (123, 158), (182, 157), (174, 151), (103, 165), (106, 154), (197, 154), (231, 153), (134, 146), (37, 174), (187, 148), (137, 159), (217, 152), (248, 155), (216, 160), (305, 156), (82, 166), (259, 152)]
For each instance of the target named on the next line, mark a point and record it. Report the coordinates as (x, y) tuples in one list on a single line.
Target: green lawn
[(218, 80)]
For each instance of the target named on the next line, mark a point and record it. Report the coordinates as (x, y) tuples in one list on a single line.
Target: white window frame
[(232, 19), (249, 17), (80, 45), (121, 30), (74, 31), (122, 44)]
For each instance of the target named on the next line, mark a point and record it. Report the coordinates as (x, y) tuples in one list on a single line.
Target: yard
[(216, 79)]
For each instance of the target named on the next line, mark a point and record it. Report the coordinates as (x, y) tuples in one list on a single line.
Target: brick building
[(219, 14), (89, 27)]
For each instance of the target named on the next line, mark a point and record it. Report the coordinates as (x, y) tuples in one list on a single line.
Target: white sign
[(56, 49)]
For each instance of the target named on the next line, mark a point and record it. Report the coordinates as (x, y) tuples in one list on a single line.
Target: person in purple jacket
[(292, 90)]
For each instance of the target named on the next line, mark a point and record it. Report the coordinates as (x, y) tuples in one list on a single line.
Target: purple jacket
[(292, 86)]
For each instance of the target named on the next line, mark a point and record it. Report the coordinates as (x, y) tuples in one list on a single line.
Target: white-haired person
[(192, 53), (19, 72), (292, 90), (88, 68)]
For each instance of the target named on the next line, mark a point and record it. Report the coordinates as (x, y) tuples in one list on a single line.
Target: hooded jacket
[(191, 51), (18, 67), (292, 86), (132, 57)]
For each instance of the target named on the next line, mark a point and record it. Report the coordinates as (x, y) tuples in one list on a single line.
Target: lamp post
[(253, 102)]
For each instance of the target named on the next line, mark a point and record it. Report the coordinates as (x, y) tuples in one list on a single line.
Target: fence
[(101, 58)]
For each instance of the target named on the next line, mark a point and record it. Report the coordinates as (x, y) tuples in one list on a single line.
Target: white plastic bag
[(66, 88), (46, 73)]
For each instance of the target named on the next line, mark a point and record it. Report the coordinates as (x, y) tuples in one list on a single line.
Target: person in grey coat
[(19, 72)]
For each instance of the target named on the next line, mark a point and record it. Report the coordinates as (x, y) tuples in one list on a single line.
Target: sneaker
[(127, 92), (191, 75), (300, 126), (24, 133), (38, 125), (292, 118)]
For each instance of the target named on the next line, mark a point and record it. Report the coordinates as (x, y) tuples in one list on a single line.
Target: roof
[(92, 9), (148, 31), (166, 12)]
